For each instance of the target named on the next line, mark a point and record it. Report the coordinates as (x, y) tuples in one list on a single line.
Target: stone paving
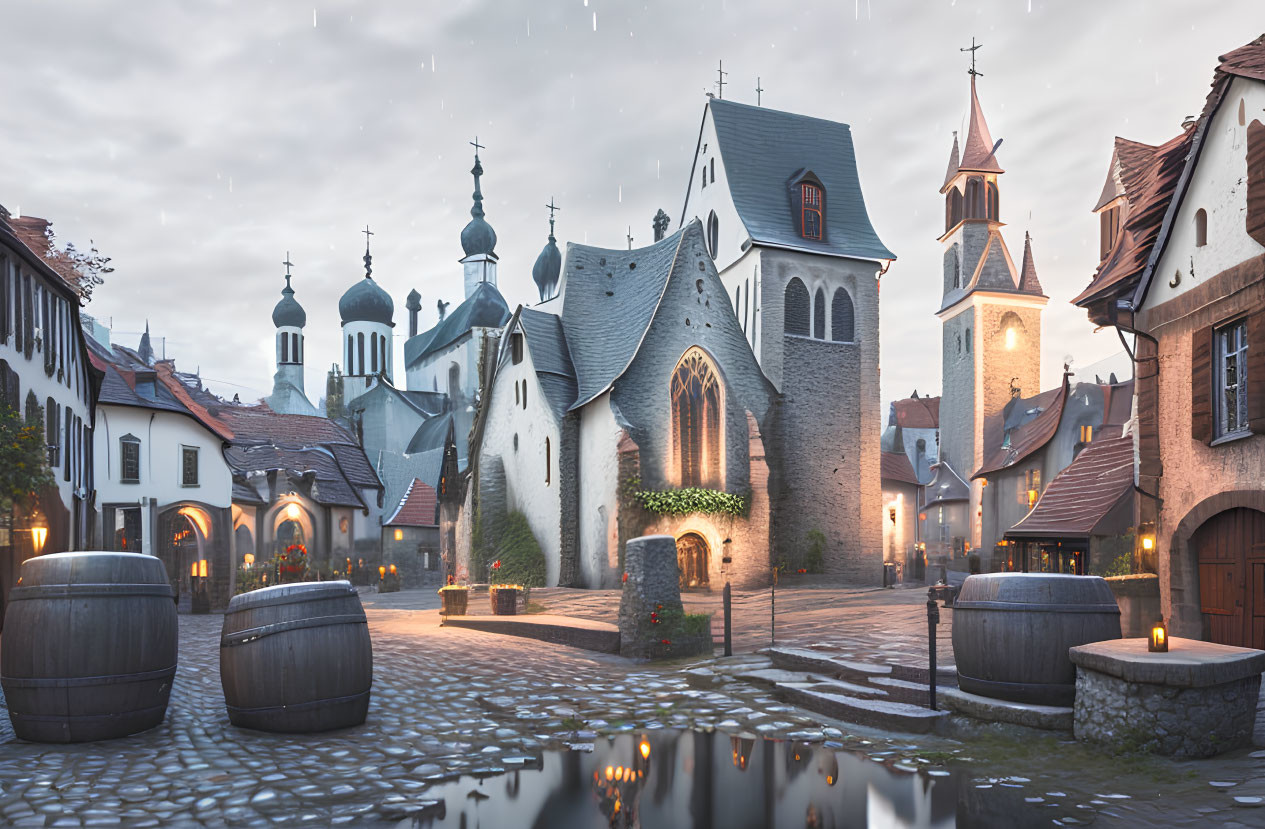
[(450, 702)]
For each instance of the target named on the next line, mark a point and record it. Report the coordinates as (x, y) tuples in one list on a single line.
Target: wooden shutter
[(1201, 385), (1256, 181), (1256, 371)]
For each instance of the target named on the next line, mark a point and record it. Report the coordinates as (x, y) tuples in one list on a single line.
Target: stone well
[(651, 605), (1198, 699)]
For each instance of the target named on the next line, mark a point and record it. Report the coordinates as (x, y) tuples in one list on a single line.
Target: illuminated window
[(1012, 337), (1087, 434), (810, 195), (697, 421), (399, 535)]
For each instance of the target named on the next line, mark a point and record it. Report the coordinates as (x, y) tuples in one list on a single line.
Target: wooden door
[(691, 556), (1230, 550)]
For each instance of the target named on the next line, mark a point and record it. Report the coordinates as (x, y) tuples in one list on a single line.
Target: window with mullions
[(1231, 379), (697, 399), (811, 216), (129, 459), (188, 466)]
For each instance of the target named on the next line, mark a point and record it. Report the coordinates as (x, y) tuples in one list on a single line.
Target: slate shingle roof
[(1081, 496), (547, 344), (609, 301), (946, 486), (762, 149), (331, 487), (485, 308)]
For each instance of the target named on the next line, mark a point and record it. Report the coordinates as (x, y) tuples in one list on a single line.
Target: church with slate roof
[(732, 364)]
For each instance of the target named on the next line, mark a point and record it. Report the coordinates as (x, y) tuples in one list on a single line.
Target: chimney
[(414, 305)]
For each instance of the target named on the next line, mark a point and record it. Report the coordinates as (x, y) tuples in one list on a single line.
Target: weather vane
[(974, 46), (720, 79), (288, 265), (477, 146), (552, 207)]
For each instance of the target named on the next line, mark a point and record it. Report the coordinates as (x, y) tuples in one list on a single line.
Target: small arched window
[(360, 353), (713, 233), (819, 315), (285, 348), (294, 348), (842, 317), (795, 308), (810, 217), (974, 199), (697, 421), (994, 200), (1201, 227), (548, 462), (373, 353), (351, 366), (953, 208), (712, 164)]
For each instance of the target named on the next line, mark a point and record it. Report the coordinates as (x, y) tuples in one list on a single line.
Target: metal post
[(933, 618), (773, 611), (728, 603)]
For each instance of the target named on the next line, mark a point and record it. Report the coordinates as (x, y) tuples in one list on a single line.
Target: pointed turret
[(1028, 282), (146, 351), (953, 163), (477, 237), (977, 154), (548, 265)]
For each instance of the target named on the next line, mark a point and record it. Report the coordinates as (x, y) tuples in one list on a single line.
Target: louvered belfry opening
[(697, 418)]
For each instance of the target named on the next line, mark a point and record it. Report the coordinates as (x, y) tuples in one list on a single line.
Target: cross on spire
[(552, 207), (477, 146), (630, 237), (720, 80), (972, 48), (288, 265), (368, 257), (758, 90)]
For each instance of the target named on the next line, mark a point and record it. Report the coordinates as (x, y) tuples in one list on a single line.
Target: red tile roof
[(977, 152), (917, 412), (896, 467), (1026, 438), (417, 508), (1081, 496), (166, 375)]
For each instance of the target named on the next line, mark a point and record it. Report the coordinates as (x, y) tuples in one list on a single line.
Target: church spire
[(978, 152), (548, 265), (477, 237), (953, 162), (1028, 282)]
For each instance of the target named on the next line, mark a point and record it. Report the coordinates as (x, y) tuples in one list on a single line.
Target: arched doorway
[(179, 547), (691, 559), (1230, 550)]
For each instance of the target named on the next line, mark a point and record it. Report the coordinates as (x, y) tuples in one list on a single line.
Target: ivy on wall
[(692, 500)]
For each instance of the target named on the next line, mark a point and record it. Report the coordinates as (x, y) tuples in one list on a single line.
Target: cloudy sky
[(197, 143)]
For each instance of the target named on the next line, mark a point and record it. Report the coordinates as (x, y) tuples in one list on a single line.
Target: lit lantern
[(1148, 543), (393, 569), (293, 512), (39, 535), (249, 559), (193, 569), (202, 568), (644, 748), (399, 535), (1158, 643), (382, 572)]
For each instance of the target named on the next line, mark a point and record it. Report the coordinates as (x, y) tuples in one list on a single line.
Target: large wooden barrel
[(89, 649), (296, 658), (1012, 631)]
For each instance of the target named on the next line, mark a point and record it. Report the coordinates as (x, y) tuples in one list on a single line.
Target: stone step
[(901, 690), (946, 675), (876, 713), (802, 659), (777, 677)]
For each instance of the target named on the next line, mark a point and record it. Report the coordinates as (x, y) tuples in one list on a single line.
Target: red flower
[(665, 641), (625, 577), (802, 570), (496, 565)]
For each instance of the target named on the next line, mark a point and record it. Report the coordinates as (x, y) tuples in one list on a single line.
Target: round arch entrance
[(692, 553), (181, 534), (1229, 549)]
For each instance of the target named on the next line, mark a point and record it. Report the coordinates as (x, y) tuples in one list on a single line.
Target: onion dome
[(548, 265), (366, 302), (478, 236), (288, 311)]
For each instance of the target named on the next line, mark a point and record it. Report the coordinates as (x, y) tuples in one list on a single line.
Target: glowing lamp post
[(39, 536), (1158, 641)]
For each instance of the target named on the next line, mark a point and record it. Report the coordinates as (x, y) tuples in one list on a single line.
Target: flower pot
[(455, 601), (504, 600)]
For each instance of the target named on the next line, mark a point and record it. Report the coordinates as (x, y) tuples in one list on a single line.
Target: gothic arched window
[(713, 234), (819, 315), (842, 317), (1201, 227), (294, 348), (795, 308), (697, 421), (974, 199), (373, 354), (994, 201)]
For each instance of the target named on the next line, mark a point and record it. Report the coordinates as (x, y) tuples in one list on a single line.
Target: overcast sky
[(196, 143)]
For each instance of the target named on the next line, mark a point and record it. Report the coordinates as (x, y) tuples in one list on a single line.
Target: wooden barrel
[(455, 601), (1012, 631), (296, 658), (504, 600), (90, 645)]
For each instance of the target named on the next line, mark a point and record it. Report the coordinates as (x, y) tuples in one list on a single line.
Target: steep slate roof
[(946, 486), (1083, 494), (118, 383), (995, 272), (896, 467), (418, 508), (1028, 282), (763, 150), (917, 412), (608, 304), (484, 308), (331, 487), (977, 154), (547, 344)]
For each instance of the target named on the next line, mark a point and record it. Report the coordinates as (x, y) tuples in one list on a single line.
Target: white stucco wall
[(701, 201), (526, 489), (599, 491), (368, 329), (161, 435), (742, 284), (431, 374), (1218, 186)]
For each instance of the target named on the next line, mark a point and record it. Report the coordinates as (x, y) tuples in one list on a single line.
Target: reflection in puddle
[(684, 779)]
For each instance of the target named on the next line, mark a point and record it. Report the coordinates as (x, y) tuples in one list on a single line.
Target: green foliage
[(511, 542), (1120, 565), (691, 500), (23, 458), (814, 551)]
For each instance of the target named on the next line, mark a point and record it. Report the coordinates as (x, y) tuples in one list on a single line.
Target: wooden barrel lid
[(304, 591), (1050, 591), (92, 568)]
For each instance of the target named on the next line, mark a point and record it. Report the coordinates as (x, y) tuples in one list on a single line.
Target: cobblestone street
[(449, 702)]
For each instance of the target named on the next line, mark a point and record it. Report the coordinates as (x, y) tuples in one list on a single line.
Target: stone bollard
[(650, 609)]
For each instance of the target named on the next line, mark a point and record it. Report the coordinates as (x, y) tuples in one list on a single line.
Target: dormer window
[(810, 217)]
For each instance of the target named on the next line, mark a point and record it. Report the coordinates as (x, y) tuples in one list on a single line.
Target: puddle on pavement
[(684, 779)]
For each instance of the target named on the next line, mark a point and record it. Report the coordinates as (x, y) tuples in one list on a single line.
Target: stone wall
[(1165, 719), (650, 608), (416, 555)]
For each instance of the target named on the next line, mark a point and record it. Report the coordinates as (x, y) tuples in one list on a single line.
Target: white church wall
[(162, 436), (599, 491), (1219, 187), (517, 433), (742, 284), (351, 361), (702, 201)]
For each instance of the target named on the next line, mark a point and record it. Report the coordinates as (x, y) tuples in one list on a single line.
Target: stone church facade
[(737, 356)]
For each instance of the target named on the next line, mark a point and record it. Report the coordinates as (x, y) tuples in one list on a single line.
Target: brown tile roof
[(1025, 438), (896, 467), (917, 412), (1082, 495), (166, 375), (417, 508), (977, 152)]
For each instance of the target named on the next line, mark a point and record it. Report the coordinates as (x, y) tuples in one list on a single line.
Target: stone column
[(652, 586)]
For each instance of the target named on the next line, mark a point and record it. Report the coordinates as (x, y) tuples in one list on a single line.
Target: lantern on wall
[(248, 559), (382, 572), (399, 535), (39, 535), (1158, 642)]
